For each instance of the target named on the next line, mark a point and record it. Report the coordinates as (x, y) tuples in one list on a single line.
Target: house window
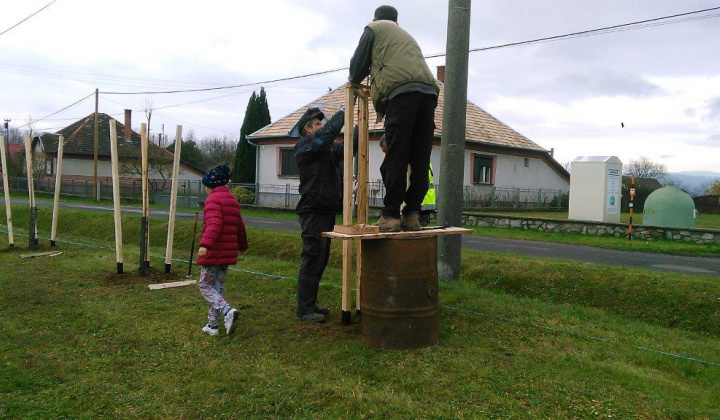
[(482, 169), (288, 163), (527, 162), (49, 167)]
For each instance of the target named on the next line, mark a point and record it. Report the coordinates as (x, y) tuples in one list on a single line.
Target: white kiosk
[(595, 189)]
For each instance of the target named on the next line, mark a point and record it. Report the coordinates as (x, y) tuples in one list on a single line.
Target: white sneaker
[(207, 329), (231, 321)]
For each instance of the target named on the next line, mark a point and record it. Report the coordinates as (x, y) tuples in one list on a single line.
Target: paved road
[(653, 261), (646, 260)]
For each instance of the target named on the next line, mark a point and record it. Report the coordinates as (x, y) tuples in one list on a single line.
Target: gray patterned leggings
[(211, 284)]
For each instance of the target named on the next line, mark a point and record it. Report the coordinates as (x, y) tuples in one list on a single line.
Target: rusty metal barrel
[(399, 292)]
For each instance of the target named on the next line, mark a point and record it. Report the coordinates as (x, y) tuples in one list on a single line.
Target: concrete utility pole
[(450, 195)]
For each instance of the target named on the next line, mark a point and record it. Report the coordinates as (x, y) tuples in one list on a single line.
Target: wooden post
[(58, 186), (116, 196), (347, 202), (173, 198), (192, 246), (144, 231), (96, 147), (6, 192), (363, 153), (361, 193), (631, 204), (31, 192)]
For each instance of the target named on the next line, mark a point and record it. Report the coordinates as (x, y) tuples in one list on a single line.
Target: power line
[(196, 125), (598, 31), (56, 112), (15, 25), (76, 76), (228, 87), (175, 119)]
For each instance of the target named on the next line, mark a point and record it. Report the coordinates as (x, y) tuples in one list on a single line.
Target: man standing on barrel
[(404, 92)]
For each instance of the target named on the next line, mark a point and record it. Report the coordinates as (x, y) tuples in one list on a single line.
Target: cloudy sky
[(662, 82)]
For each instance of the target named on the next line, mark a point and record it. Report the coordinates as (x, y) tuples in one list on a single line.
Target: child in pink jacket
[(223, 239)]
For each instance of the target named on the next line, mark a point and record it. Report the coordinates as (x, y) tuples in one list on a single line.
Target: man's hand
[(202, 252)]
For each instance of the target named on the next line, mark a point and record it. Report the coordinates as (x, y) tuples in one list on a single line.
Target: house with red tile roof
[(495, 154), (78, 152)]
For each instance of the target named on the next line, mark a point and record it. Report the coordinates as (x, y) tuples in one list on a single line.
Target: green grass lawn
[(519, 338)]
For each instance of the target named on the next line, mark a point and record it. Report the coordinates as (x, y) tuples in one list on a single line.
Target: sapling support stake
[(173, 199), (33, 225), (6, 192), (143, 246), (192, 246), (116, 196)]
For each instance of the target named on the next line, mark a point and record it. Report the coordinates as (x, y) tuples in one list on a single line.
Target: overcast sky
[(661, 82)]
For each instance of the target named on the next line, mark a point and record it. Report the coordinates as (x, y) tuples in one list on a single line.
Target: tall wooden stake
[(96, 147), (31, 192), (144, 242), (116, 196), (631, 204), (192, 246), (58, 186), (347, 202), (173, 198), (6, 192), (361, 193)]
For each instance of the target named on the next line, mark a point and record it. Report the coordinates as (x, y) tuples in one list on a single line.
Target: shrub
[(560, 201), (243, 195)]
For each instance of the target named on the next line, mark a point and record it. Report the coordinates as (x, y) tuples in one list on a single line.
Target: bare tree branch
[(645, 168)]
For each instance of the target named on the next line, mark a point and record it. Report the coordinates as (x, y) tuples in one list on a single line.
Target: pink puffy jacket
[(223, 232)]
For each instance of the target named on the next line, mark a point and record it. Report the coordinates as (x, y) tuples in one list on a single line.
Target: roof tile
[(481, 127)]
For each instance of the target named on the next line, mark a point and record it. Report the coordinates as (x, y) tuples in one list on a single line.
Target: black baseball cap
[(310, 114)]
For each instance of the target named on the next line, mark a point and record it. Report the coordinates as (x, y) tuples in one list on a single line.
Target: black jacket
[(320, 162)]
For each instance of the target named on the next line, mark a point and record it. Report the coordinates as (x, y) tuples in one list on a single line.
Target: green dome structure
[(669, 206)]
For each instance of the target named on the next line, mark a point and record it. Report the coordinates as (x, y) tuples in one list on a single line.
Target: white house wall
[(84, 167), (510, 170)]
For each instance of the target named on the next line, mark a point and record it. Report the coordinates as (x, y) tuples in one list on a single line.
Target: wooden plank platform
[(432, 231), (358, 229)]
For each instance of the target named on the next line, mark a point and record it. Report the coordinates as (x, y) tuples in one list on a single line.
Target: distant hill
[(694, 182)]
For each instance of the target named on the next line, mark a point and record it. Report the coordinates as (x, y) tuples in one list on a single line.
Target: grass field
[(519, 338)]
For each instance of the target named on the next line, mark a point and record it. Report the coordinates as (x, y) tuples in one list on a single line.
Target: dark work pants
[(409, 127), (313, 258)]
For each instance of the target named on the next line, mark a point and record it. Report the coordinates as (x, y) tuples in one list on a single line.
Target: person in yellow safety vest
[(427, 207)]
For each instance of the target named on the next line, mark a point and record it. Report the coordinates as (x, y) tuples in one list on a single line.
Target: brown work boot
[(410, 222), (388, 224)]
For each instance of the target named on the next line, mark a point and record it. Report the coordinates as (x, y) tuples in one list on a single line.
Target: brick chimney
[(552, 152), (441, 73), (128, 120)]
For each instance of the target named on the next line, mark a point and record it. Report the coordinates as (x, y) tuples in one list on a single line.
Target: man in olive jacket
[(404, 92)]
